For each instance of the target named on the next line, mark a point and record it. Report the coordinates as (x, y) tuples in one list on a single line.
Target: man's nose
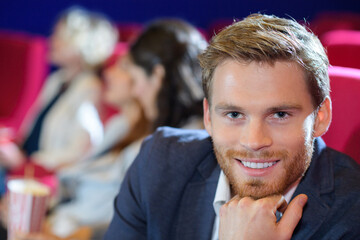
[(255, 136)]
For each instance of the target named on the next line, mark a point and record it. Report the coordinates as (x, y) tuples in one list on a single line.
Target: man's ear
[(323, 118), (157, 76), (207, 118)]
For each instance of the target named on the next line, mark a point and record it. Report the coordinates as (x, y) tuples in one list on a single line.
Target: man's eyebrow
[(228, 107), (232, 107), (285, 107)]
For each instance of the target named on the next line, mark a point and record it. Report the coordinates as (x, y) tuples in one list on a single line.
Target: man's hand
[(255, 219)]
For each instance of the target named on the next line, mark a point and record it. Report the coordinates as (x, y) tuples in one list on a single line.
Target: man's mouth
[(258, 165)]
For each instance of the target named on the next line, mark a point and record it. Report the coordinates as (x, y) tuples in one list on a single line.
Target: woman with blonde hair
[(64, 122)]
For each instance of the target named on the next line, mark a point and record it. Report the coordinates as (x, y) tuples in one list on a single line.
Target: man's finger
[(281, 205), (274, 202), (293, 214)]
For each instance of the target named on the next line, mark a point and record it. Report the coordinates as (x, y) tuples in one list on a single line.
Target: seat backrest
[(327, 21), (343, 47), (128, 32), (23, 69), (344, 131), (217, 25)]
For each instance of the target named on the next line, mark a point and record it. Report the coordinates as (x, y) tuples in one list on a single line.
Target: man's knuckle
[(244, 202), (233, 203), (263, 204)]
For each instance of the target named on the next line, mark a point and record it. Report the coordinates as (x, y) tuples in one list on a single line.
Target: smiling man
[(261, 119), (261, 170)]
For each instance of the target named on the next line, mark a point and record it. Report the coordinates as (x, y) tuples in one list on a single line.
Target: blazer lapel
[(318, 185), (196, 214), (314, 215)]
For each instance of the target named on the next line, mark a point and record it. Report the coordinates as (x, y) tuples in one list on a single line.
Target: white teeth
[(258, 165)]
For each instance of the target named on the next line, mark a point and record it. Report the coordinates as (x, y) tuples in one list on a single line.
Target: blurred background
[(26, 65), (38, 16), (25, 26)]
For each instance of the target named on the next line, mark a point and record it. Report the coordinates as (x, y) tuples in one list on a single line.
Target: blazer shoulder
[(174, 151), (167, 142), (343, 164), (346, 175)]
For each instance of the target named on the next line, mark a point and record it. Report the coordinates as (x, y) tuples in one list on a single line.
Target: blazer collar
[(317, 184)]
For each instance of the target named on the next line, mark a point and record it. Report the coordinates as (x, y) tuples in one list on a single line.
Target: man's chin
[(257, 196), (255, 190)]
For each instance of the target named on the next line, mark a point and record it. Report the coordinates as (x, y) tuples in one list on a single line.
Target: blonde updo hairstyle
[(91, 34)]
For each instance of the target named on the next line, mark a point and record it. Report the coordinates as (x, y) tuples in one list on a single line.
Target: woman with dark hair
[(167, 75)]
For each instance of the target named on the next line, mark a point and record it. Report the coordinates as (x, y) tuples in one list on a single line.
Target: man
[(266, 105)]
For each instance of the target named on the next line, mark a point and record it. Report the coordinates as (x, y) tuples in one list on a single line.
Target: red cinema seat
[(344, 132), (329, 21), (343, 47), (217, 25), (23, 69), (128, 32)]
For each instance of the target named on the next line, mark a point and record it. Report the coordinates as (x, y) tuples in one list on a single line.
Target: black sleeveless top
[(31, 144)]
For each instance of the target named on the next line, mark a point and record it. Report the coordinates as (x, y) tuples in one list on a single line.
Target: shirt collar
[(223, 193)]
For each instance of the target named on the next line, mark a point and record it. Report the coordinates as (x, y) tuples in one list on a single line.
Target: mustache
[(232, 153)]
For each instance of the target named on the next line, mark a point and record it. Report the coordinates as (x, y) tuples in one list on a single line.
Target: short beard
[(293, 170)]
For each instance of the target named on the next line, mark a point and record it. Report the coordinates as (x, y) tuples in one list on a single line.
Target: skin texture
[(62, 52), (118, 90), (118, 84), (262, 114), (146, 87), (255, 219)]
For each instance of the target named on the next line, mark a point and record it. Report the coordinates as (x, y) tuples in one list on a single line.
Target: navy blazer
[(169, 190)]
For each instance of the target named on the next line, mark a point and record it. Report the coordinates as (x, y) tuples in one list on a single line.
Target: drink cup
[(28, 200)]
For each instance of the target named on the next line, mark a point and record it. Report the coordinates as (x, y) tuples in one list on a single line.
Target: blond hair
[(91, 33), (268, 39)]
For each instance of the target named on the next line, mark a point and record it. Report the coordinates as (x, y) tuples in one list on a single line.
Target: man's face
[(261, 119)]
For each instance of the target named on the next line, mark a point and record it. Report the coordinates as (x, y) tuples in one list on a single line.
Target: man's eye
[(234, 115), (281, 115)]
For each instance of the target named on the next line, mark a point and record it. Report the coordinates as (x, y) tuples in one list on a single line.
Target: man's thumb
[(292, 215)]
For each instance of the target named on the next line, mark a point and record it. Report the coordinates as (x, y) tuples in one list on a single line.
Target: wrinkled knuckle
[(262, 204), (233, 203), (244, 202)]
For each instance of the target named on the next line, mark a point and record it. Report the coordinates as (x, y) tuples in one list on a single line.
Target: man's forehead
[(281, 83), (238, 68)]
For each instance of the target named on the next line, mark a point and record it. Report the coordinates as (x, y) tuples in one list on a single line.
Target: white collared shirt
[(223, 195)]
